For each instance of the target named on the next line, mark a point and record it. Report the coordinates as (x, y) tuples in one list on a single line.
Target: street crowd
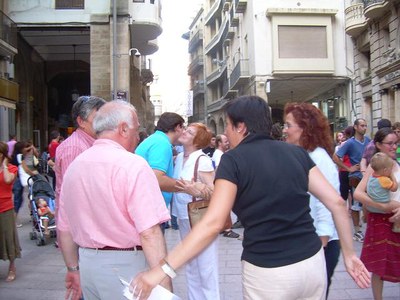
[(301, 195)]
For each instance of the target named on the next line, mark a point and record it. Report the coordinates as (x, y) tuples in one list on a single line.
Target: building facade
[(68, 48), (374, 26), (283, 51)]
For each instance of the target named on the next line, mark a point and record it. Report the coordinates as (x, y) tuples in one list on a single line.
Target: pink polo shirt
[(109, 196), (67, 151)]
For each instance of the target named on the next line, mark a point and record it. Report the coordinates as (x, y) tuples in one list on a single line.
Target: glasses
[(287, 126), (190, 132), (390, 144)]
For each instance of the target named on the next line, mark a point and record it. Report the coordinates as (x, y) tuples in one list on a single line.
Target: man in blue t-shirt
[(354, 148), (157, 151)]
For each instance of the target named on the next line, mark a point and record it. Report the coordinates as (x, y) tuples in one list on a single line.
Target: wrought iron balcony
[(8, 34), (375, 8), (195, 40), (240, 74), (198, 88), (195, 65), (240, 6), (355, 19)]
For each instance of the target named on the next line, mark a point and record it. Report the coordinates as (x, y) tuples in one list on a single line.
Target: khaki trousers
[(303, 280)]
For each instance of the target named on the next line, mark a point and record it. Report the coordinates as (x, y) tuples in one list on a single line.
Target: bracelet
[(73, 269), (167, 269)]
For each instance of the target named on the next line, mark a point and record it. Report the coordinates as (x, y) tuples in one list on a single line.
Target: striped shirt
[(66, 153)]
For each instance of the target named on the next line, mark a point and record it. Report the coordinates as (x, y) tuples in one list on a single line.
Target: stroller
[(39, 187)]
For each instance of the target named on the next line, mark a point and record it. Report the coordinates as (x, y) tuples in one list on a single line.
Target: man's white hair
[(111, 114)]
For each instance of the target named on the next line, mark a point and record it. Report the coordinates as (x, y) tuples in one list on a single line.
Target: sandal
[(11, 276), (231, 234)]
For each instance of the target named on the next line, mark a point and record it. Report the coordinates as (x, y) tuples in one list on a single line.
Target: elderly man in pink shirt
[(111, 209)]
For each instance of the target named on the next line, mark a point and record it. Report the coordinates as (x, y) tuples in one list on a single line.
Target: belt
[(109, 248)]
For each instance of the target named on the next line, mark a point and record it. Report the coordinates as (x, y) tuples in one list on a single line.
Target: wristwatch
[(73, 269), (167, 269)]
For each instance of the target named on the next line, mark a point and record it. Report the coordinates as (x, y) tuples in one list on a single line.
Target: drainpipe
[(115, 69)]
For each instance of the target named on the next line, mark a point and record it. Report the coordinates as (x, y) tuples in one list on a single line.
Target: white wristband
[(167, 269)]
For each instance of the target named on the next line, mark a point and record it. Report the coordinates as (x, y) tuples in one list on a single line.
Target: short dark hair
[(382, 123), (84, 107), (168, 122), (253, 111), (54, 134), (357, 121)]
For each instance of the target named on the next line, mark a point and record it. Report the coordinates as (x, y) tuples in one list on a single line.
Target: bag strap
[(196, 168)]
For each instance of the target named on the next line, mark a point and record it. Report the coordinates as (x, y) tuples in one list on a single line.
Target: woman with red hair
[(306, 126)]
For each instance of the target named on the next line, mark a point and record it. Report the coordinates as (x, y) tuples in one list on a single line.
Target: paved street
[(41, 271)]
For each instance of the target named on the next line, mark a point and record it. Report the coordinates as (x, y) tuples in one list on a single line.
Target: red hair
[(203, 135), (316, 130)]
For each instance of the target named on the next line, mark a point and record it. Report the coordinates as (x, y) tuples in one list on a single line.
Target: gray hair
[(112, 114), (84, 107)]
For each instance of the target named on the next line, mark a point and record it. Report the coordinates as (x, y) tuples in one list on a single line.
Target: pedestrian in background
[(381, 248), (9, 243), (306, 126), (111, 210), (202, 271)]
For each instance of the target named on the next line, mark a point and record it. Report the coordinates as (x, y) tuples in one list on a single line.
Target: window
[(138, 1), (70, 4), (302, 41)]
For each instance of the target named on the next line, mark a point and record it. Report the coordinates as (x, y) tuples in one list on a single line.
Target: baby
[(382, 182), (45, 214)]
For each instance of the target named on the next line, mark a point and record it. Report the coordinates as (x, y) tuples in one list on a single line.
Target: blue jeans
[(332, 253), (18, 191)]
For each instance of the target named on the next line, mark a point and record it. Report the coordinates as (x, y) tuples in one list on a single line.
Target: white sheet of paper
[(158, 293)]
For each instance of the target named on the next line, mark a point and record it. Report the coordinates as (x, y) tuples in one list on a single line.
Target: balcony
[(355, 19), (195, 65), (146, 23), (216, 74), (374, 9), (9, 90), (227, 93), (240, 74), (198, 88), (218, 37), (216, 7), (240, 6), (8, 36), (234, 18), (195, 40)]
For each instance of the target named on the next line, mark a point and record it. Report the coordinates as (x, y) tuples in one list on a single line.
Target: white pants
[(202, 271), (100, 271), (303, 280)]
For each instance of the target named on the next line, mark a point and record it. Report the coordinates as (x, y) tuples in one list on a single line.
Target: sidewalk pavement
[(41, 272)]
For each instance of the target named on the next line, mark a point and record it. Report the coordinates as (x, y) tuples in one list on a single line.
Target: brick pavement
[(40, 272)]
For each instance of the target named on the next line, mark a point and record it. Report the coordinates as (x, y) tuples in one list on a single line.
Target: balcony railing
[(198, 88), (213, 10), (8, 30), (240, 6), (70, 4), (375, 8), (240, 73), (355, 19), (195, 64), (9, 90), (195, 40), (219, 36)]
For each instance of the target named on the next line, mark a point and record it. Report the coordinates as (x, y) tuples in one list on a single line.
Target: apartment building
[(8, 87), (280, 50), (374, 26), (68, 48)]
